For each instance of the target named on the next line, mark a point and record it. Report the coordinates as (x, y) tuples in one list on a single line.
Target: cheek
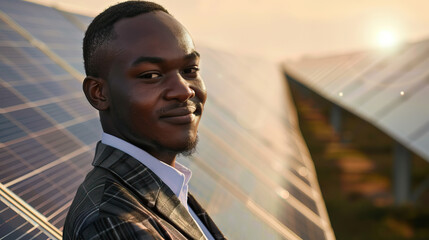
[(138, 111), (142, 109), (201, 91)]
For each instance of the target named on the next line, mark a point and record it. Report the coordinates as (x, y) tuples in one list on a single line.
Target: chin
[(187, 147)]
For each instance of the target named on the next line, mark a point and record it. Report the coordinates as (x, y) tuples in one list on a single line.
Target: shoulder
[(114, 227), (104, 202)]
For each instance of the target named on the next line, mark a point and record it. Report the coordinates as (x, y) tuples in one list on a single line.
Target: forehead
[(154, 34)]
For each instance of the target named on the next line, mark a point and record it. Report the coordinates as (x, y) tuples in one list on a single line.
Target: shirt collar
[(176, 179)]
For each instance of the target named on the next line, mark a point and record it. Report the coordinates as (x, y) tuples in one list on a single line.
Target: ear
[(96, 91)]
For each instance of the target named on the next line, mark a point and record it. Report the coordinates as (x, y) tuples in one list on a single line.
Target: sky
[(280, 30)]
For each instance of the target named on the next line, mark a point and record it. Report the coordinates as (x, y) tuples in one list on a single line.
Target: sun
[(387, 38)]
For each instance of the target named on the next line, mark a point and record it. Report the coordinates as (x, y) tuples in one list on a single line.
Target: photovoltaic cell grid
[(258, 170), (46, 141), (60, 35), (251, 164), (14, 226), (387, 88)]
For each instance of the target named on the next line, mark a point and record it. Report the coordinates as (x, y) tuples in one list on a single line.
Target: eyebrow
[(143, 59)]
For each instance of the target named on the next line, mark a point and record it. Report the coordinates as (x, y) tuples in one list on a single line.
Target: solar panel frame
[(13, 226)]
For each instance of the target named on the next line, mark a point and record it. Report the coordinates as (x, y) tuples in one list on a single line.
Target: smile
[(181, 115)]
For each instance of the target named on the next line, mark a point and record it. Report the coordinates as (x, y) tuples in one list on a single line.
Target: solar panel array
[(16, 227), (390, 89), (252, 169)]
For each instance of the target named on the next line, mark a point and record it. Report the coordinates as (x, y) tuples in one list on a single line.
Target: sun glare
[(387, 38)]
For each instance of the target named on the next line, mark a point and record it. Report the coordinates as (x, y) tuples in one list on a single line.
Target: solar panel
[(422, 140), (251, 163), (50, 27), (399, 116), (13, 226), (415, 79), (19, 222), (37, 150), (388, 89)]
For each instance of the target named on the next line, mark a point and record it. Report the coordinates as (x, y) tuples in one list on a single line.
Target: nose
[(179, 89)]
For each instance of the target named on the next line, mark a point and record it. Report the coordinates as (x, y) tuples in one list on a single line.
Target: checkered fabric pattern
[(123, 199)]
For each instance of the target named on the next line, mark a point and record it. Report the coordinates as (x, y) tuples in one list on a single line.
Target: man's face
[(156, 92)]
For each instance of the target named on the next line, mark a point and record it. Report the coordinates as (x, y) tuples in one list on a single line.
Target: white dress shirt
[(177, 178)]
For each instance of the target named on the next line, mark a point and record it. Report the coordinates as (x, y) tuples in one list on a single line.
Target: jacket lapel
[(153, 192), (205, 218)]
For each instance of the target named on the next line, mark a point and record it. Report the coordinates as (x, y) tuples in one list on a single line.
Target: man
[(143, 78)]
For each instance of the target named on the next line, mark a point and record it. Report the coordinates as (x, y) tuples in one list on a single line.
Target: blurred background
[(302, 94), (289, 29)]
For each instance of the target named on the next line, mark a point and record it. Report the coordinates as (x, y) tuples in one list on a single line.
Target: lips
[(180, 115)]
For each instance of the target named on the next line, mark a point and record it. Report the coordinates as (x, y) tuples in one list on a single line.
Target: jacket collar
[(153, 192)]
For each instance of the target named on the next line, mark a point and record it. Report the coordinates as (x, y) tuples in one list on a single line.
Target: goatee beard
[(190, 149)]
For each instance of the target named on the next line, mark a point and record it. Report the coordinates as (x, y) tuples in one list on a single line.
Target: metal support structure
[(336, 118), (401, 174)]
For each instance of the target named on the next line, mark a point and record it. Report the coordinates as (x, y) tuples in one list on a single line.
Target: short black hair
[(100, 31)]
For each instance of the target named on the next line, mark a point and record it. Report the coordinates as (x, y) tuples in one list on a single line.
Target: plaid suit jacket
[(123, 199)]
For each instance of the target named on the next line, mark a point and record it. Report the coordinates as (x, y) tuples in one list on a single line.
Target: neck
[(168, 158), (163, 155)]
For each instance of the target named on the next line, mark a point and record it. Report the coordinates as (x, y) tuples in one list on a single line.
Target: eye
[(191, 72), (149, 75)]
